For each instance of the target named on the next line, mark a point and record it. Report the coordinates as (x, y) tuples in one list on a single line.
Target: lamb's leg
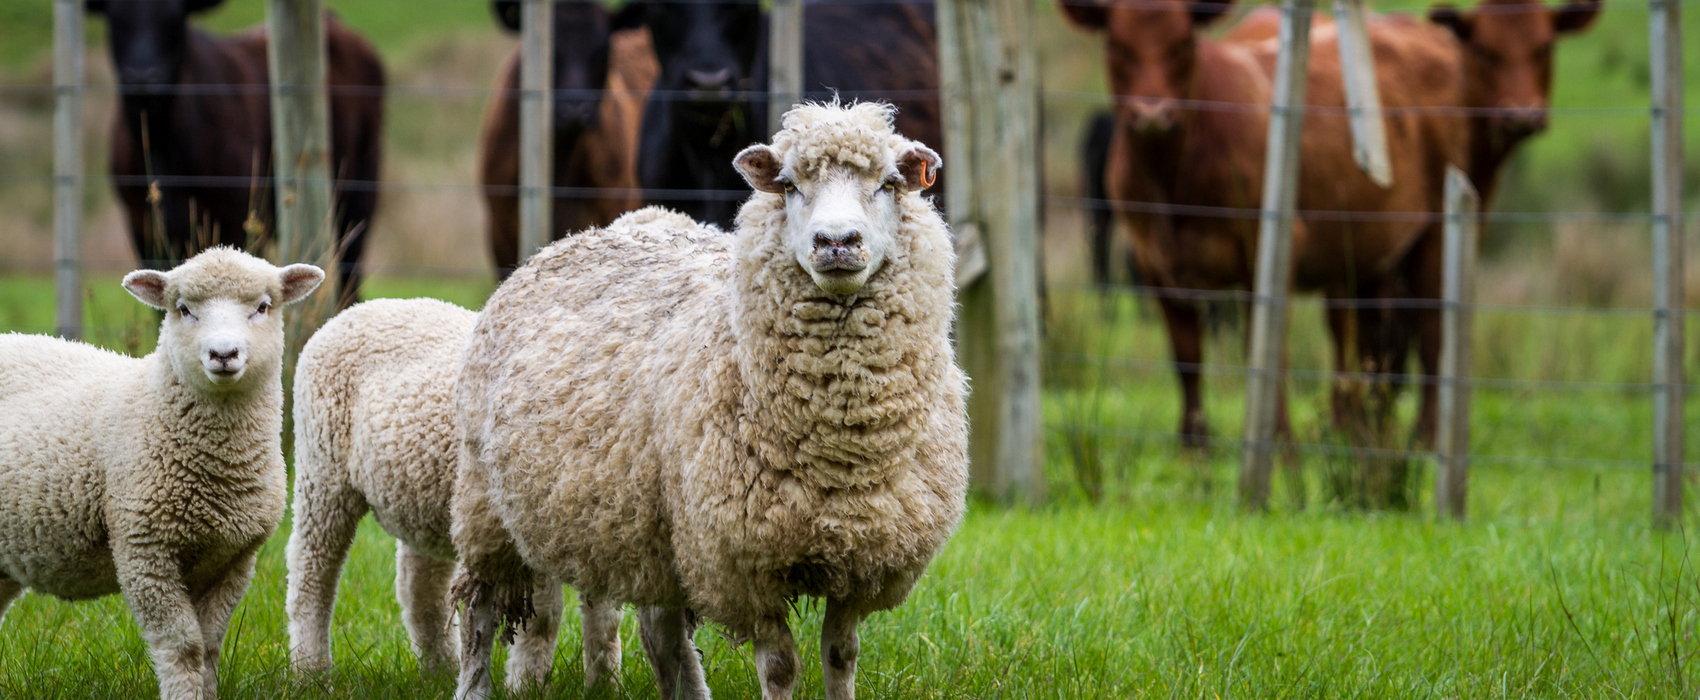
[(601, 641), (213, 609), (153, 588), (10, 590), (839, 646), (533, 652), (325, 519), (422, 587), (776, 659), (672, 654), (478, 623)]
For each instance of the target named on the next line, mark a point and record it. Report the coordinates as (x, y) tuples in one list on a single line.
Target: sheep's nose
[(846, 239), (709, 80), (223, 356)]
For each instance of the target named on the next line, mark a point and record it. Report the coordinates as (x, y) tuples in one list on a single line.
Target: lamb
[(159, 477), (715, 425), (374, 432)]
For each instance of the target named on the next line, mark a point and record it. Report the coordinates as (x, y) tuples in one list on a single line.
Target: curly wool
[(664, 414)]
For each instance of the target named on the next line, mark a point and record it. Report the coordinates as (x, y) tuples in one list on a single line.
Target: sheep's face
[(841, 220), (223, 318)]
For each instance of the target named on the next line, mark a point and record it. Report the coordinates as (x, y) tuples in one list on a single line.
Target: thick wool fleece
[(664, 414), (128, 475)]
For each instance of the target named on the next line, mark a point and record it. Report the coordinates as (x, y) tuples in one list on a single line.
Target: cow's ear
[(193, 6), (632, 15), (95, 6), (1449, 17), (1575, 16), (1203, 13), (1086, 14), (507, 13)]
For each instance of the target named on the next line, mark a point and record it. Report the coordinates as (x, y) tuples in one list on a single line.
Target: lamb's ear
[(299, 280), (1448, 16), (760, 167), (1086, 14), (147, 286), (919, 167)]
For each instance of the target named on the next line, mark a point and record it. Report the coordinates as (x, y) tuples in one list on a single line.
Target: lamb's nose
[(838, 240), (709, 80), (223, 357)]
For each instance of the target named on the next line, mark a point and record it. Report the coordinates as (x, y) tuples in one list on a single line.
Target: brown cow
[(1190, 132), (596, 130)]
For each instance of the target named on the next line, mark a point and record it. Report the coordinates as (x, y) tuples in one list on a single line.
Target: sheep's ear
[(1086, 14), (507, 14), (760, 167), (299, 280), (147, 286), (1575, 16), (1449, 17), (919, 167)]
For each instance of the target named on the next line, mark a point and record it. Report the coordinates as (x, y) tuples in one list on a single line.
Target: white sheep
[(708, 424), (158, 477), (374, 432)]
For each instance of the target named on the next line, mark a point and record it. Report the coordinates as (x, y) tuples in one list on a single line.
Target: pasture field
[(1555, 588)]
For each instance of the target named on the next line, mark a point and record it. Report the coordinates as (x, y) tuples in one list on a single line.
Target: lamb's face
[(841, 220), (223, 314)]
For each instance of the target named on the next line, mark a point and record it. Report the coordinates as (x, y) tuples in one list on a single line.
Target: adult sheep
[(157, 477), (374, 433), (698, 423)]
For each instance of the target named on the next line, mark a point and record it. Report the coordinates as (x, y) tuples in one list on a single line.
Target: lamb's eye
[(263, 307), (183, 310), (889, 186), (789, 186)]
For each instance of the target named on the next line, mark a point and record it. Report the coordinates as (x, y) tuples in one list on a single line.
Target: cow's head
[(1508, 48), (707, 49), (148, 38), (580, 64), (1151, 49)]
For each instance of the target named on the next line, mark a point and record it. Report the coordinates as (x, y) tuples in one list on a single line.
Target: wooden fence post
[(68, 167), (536, 137), (301, 151), (1363, 97), (1665, 26), (1274, 253), (1456, 356), (784, 59), (988, 75)]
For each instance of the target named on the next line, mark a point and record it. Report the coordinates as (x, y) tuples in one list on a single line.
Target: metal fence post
[(784, 59), (1274, 253), (68, 167), (1665, 26), (536, 137), (1363, 96), (1457, 333), (990, 108)]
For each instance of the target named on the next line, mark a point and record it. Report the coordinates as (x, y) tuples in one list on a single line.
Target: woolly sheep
[(157, 477), (374, 432), (709, 424)]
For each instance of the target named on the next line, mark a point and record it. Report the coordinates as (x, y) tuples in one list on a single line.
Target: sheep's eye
[(788, 185), (264, 307), (183, 310), (889, 186)]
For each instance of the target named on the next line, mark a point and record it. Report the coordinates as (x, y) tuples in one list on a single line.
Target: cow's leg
[(422, 588), (1426, 269), (672, 654), (601, 641), (9, 591), (326, 514), (1344, 401), (213, 609), (777, 664), (839, 647), (1187, 345), (533, 652)]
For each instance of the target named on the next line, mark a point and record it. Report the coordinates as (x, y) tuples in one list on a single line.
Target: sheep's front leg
[(10, 590), (533, 652), (838, 649), (422, 587), (672, 654), (776, 659), (162, 608), (601, 641), (213, 609)]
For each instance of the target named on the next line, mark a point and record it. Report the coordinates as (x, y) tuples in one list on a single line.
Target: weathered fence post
[(1274, 253), (1458, 317), (301, 149), (68, 167), (784, 59), (536, 137), (1665, 26), (988, 76), (1363, 97)]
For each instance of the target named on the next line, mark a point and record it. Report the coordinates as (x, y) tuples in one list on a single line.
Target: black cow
[(191, 145)]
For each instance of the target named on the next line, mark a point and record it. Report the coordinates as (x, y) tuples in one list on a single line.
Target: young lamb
[(374, 432), (158, 477), (708, 424)]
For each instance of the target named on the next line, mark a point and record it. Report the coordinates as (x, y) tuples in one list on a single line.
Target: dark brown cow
[(602, 80), (1190, 132), (191, 144)]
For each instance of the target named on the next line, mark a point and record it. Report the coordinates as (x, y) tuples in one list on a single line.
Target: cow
[(710, 99), (192, 142), (1187, 146), (603, 69)]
